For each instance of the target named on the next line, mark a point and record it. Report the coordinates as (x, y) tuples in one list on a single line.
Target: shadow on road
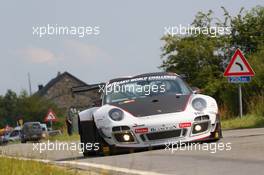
[(119, 152)]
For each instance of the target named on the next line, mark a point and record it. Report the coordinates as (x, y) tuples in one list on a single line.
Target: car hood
[(153, 105)]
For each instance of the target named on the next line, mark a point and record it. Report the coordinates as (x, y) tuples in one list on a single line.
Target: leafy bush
[(256, 105), (248, 121)]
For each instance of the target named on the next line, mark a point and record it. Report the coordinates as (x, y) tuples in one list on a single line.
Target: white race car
[(148, 110)]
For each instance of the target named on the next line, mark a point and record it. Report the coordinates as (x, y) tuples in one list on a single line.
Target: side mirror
[(196, 90)]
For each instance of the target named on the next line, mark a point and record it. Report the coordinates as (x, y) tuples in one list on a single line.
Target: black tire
[(89, 135), (217, 134)]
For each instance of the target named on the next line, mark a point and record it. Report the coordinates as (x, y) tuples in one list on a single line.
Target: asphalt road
[(240, 152)]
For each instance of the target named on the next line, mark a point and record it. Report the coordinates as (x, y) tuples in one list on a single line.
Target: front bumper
[(33, 137), (157, 133)]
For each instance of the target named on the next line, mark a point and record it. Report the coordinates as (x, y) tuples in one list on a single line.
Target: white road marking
[(91, 165), (110, 168)]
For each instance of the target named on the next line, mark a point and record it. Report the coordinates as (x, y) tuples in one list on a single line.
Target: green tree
[(29, 108), (247, 29), (203, 57), (8, 104)]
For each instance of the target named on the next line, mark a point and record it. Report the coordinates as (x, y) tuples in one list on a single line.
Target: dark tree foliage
[(29, 108)]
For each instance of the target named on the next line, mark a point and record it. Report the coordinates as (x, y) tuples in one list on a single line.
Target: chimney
[(40, 87)]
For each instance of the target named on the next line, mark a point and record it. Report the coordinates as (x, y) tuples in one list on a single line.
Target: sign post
[(240, 101), (50, 117), (239, 71)]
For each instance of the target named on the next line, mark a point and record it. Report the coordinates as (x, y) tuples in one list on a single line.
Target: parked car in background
[(31, 131), (3, 139), (14, 135), (3, 136)]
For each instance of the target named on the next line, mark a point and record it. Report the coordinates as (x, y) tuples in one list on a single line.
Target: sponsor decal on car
[(138, 125), (141, 130), (185, 125), (163, 128), (199, 113)]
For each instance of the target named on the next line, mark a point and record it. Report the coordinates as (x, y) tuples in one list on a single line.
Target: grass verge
[(248, 121), (21, 167), (65, 137)]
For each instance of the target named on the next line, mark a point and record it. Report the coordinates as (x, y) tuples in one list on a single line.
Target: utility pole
[(29, 84)]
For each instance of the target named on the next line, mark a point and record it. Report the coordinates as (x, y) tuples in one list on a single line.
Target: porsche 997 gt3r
[(148, 110)]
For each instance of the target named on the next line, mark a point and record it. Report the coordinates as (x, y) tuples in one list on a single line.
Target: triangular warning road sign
[(238, 66), (51, 116)]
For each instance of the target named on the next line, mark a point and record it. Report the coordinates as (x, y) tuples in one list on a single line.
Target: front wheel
[(92, 143), (217, 134)]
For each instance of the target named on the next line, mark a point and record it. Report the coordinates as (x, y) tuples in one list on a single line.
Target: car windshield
[(36, 126), (33, 126), (142, 87)]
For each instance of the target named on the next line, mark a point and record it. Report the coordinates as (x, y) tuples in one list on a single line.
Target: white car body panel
[(154, 123), (87, 115)]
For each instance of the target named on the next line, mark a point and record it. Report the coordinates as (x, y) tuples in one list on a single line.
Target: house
[(58, 90)]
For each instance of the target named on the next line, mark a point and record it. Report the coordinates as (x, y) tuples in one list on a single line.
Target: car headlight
[(116, 114), (199, 104)]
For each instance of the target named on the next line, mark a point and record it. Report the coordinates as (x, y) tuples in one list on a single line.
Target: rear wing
[(98, 87), (86, 88)]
